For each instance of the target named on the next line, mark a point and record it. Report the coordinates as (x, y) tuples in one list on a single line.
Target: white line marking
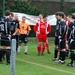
[(46, 67)]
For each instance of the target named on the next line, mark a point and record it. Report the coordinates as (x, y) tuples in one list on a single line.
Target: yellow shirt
[(24, 28)]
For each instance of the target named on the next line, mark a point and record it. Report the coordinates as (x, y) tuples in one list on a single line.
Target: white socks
[(25, 49), (18, 49)]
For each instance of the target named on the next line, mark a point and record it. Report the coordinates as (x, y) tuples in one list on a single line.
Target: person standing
[(42, 29), (13, 28), (72, 41), (61, 37), (15, 21), (5, 37), (23, 30), (56, 38), (47, 45)]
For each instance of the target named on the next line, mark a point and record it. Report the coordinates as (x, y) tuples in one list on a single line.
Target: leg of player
[(8, 53), (25, 48), (19, 46), (25, 45), (1, 57), (43, 48), (55, 53), (72, 47), (39, 47), (48, 48), (67, 51), (72, 59), (56, 49)]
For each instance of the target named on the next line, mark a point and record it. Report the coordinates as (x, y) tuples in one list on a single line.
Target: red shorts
[(42, 38)]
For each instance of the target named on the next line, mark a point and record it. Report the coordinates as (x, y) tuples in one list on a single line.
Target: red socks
[(47, 46)]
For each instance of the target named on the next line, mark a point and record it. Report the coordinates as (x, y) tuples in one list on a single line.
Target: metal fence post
[(13, 57)]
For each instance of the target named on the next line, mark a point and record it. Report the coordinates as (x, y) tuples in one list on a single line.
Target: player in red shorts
[(47, 45), (66, 37), (69, 19), (42, 29)]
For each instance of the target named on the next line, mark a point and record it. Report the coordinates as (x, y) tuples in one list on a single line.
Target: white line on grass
[(46, 66)]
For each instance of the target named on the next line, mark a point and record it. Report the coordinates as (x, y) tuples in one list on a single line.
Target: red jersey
[(42, 28), (68, 25)]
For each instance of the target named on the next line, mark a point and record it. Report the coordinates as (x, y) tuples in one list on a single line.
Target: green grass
[(33, 64)]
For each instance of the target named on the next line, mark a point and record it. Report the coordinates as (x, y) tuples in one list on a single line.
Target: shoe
[(55, 59), (71, 65), (1, 62), (42, 53), (62, 62), (58, 61), (38, 54), (49, 52), (7, 63), (26, 53), (18, 52)]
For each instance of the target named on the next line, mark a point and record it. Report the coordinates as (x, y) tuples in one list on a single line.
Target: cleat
[(26, 53), (38, 54), (54, 59), (1, 62), (71, 65), (7, 63), (58, 61), (18, 52), (42, 53), (62, 62), (49, 52)]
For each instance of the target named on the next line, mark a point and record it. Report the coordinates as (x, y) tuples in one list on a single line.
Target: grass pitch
[(32, 64)]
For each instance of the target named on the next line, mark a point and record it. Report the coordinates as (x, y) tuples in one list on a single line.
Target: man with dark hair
[(7, 13), (72, 41), (5, 37), (61, 37), (56, 38), (13, 26)]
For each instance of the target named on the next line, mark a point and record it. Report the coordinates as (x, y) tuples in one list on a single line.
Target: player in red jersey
[(47, 45), (66, 37), (69, 19), (42, 29)]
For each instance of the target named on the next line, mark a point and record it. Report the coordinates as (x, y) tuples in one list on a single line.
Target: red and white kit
[(42, 29)]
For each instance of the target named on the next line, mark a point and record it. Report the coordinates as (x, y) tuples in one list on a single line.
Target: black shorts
[(62, 43), (72, 44), (15, 37), (5, 41), (23, 38), (56, 40)]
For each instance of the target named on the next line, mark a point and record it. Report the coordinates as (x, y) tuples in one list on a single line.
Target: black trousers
[(7, 53), (5, 41), (1, 54)]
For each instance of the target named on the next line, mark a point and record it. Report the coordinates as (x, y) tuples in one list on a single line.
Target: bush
[(72, 10), (23, 7)]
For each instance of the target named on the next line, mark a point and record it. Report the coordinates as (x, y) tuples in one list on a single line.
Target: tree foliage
[(72, 10), (24, 7)]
